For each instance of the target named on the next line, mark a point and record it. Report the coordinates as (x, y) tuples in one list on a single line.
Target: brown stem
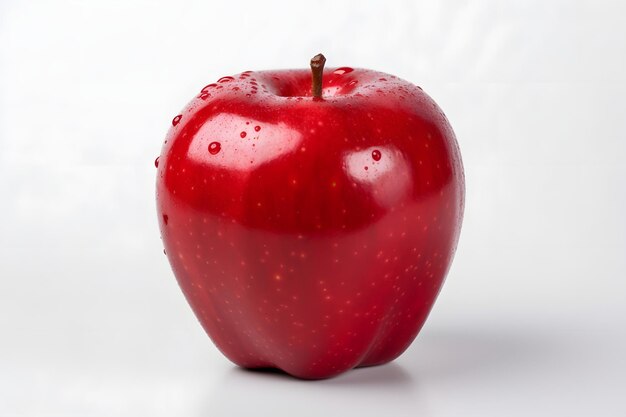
[(317, 69)]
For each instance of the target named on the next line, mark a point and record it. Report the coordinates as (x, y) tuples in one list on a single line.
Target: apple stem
[(317, 69)]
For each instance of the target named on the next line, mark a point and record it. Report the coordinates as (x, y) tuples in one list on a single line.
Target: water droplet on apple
[(207, 87), (156, 162), (376, 155), (225, 79), (257, 128), (243, 134), (352, 83), (204, 96), (382, 79), (165, 219), (214, 148), (176, 119), (164, 253), (342, 70), (366, 168)]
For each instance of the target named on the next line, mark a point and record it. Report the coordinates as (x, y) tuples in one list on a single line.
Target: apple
[(310, 216)]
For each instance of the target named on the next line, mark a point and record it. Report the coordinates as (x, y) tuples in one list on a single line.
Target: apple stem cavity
[(317, 69)]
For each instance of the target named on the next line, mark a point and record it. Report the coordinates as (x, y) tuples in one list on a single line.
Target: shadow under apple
[(437, 357), (442, 354)]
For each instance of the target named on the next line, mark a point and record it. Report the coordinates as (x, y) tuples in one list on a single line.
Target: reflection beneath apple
[(382, 169), (365, 392), (243, 144)]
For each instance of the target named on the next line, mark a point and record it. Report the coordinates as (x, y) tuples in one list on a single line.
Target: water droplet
[(156, 162), (376, 155), (164, 253), (204, 96), (225, 79), (165, 219), (382, 79), (215, 147), (342, 70), (207, 87), (352, 83), (366, 168), (257, 128), (176, 119), (243, 134), (254, 83)]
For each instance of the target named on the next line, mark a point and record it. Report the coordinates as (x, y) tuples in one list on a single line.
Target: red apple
[(311, 224)]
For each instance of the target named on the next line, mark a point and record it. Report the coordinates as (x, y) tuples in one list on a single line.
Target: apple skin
[(311, 235)]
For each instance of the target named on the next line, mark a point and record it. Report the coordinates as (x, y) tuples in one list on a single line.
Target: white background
[(532, 319)]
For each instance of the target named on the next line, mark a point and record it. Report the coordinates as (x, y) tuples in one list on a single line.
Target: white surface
[(531, 321)]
